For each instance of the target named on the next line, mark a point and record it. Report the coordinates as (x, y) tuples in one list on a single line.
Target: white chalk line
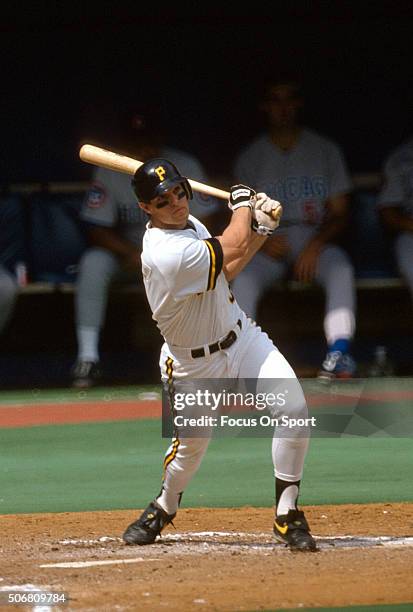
[(197, 535), (101, 540), (324, 542), (79, 564)]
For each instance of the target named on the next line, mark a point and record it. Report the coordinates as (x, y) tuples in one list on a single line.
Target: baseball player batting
[(207, 336)]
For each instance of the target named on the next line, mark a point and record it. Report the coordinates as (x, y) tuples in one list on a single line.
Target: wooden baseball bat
[(114, 161), (120, 163)]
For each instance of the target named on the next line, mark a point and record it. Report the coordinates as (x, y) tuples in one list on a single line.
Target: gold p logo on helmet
[(160, 172)]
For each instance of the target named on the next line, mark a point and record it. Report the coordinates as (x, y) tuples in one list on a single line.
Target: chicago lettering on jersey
[(293, 189)]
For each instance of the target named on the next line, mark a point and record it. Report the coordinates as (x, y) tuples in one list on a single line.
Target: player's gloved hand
[(241, 195), (266, 215)]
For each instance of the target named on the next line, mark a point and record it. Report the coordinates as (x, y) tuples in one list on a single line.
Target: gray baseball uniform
[(111, 203), (302, 179), (397, 192), (11, 252), (8, 295)]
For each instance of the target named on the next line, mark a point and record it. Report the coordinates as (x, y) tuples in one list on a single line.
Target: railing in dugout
[(45, 237)]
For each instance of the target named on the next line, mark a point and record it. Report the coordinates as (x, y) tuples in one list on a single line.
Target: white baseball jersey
[(187, 291), (398, 175), (111, 201), (302, 179)]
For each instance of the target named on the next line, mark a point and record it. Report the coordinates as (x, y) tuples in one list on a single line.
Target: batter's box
[(264, 541), (225, 541)]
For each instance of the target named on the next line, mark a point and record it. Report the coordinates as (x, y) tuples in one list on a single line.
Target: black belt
[(217, 346)]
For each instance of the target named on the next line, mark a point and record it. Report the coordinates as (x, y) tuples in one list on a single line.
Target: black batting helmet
[(155, 177)]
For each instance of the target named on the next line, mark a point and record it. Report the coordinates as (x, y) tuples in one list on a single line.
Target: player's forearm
[(395, 220), (236, 237), (236, 241), (108, 239), (332, 229), (237, 265), (336, 220)]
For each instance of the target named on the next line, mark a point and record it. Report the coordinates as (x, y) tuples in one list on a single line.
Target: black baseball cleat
[(148, 526), (85, 374), (292, 529)]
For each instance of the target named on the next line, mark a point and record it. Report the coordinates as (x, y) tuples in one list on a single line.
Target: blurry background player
[(116, 226), (12, 252), (395, 204), (307, 173)]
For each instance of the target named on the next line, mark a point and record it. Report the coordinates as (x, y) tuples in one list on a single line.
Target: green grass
[(119, 465)]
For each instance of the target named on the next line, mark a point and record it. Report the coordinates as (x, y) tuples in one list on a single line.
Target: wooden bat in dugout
[(121, 163)]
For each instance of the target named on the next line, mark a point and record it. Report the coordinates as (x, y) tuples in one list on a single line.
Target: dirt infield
[(27, 415), (215, 559)]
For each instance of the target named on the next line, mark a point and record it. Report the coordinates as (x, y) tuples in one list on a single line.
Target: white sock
[(169, 501), (339, 323), (287, 500), (88, 339)]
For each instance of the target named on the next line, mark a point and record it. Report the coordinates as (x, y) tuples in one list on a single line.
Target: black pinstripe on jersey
[(215, 262), (175, 445)]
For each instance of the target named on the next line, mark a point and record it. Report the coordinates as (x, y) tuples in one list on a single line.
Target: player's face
[(169, 210), (282, 106)]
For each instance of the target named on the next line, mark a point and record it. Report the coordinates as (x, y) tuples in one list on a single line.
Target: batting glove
[(266, 215), (241, 195)]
